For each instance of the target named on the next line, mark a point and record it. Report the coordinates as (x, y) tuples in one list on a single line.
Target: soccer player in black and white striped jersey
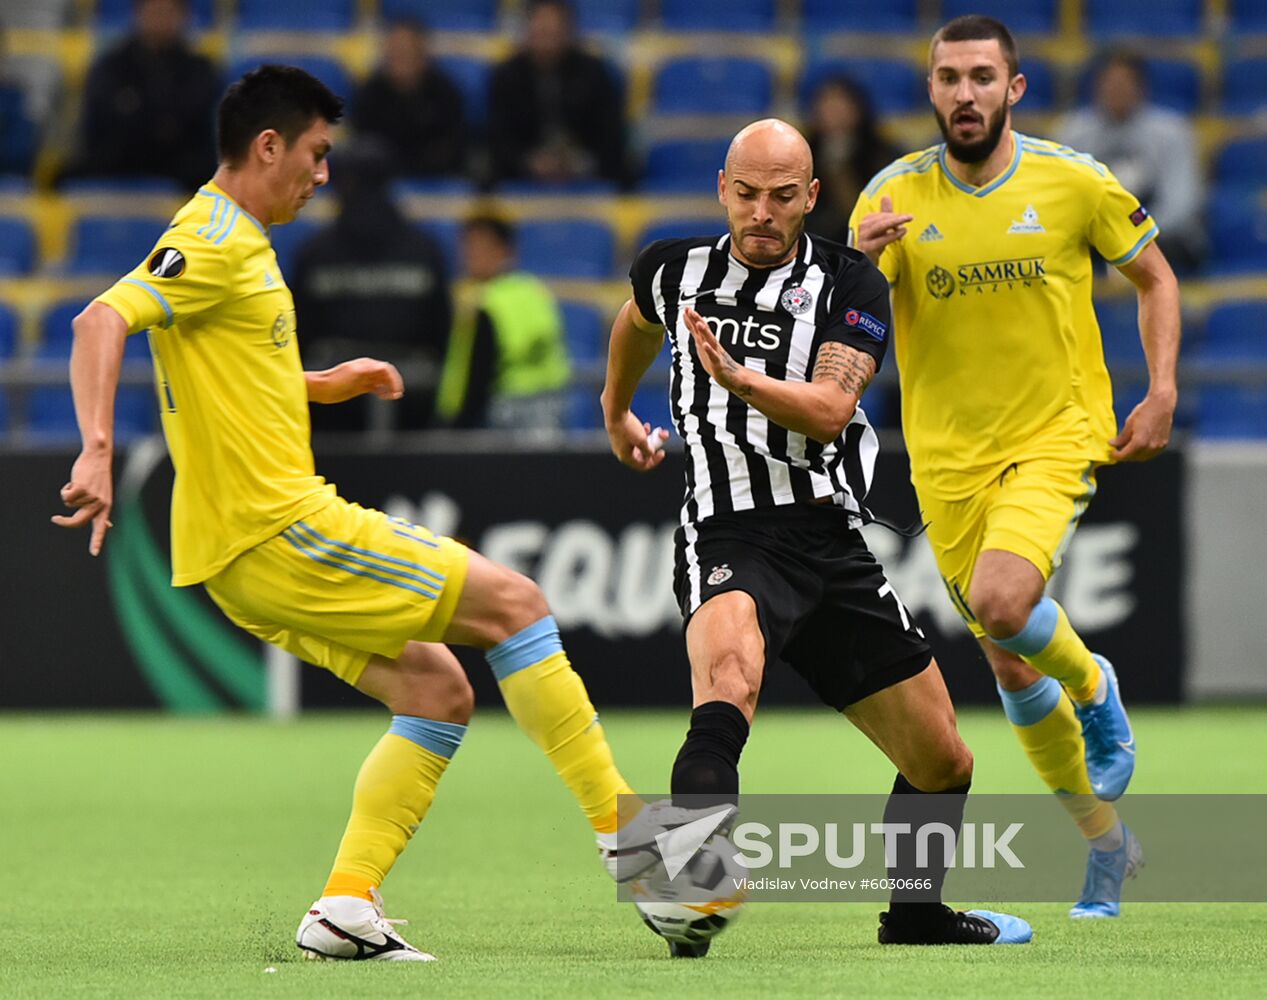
[(775, 336)]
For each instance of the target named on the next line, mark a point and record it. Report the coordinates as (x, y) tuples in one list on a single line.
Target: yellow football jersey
[(229, 380), (995, 336)]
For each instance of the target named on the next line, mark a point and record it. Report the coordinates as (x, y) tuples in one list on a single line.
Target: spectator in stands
[(508, 362), (372, 283), (17, 131), (413, 106), (555, 112), (149, 103), (1152, 151), (848, 150)]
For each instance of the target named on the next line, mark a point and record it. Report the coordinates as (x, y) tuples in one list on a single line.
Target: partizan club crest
[(720, 574), (796, 300)]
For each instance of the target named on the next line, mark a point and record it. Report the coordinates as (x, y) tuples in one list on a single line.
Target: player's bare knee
[(432, 685), (520, 603), (1001, 613), (950, 768)]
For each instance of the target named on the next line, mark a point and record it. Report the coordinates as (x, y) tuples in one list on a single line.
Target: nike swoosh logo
[(679, 845), (1128, 747)]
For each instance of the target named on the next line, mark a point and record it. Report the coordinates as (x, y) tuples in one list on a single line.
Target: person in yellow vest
[(507, 365)]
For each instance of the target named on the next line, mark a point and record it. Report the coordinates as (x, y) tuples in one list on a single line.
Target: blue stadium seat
[(296, 15), (288, 239), (858, 15), (1236, 331), (17, 246), (717, 15), (112, 245), (91, 187), (1234, 337), (1242, 164), (471, 76), (57, 334), (445, 15), (680, 229), (566, 248), (1172, 83), (116, 15), (1040, 91), (585, 330), (1248, 16), (650, 403), (606, 16), (1245, 86), (429, 187), (684, 166), (8, 332), (1119, 330), (1169, 18), (1021, 16), (1238, 222), (51, 413), (721, 85), (893, 85), (327, 69), (523, 188)]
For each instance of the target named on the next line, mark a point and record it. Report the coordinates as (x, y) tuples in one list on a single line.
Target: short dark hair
[(978, 28), (495, 225), (1129, 59), (564, 7), (284, 98)]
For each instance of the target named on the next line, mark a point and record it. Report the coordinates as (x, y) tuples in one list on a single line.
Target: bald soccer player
[(775, 336)]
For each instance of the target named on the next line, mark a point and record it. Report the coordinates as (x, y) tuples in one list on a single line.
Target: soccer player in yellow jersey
[(366, 596), (1007, 409)]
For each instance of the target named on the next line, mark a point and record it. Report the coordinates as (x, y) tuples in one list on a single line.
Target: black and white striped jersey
[(772, 320)]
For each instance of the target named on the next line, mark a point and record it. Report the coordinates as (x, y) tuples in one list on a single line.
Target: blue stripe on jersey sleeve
[(171, 316), (1134, 251)]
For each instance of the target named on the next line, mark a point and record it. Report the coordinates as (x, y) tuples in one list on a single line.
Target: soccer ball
[(703, 900)]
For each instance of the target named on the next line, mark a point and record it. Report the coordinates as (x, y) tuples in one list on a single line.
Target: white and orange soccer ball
[(704, 899)]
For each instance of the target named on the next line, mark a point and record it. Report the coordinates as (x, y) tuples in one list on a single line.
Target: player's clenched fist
[(877, 230)]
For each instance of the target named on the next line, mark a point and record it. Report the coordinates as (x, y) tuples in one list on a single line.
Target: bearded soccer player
[(1007, 407), (368, 597)]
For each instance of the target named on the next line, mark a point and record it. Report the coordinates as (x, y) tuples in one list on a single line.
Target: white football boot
[(348, 927)]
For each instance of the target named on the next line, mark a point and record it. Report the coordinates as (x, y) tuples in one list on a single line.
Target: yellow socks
[(393, 791), (549, 702), (1049, 644), (1043, 720)]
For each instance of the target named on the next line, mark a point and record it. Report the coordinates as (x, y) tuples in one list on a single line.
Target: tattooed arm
[(819, 409)]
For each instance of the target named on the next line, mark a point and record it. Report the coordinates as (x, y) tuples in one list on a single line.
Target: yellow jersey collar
[(994, 185), (216, 191)]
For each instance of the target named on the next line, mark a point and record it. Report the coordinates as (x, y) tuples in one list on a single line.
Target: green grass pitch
[(166, 857)]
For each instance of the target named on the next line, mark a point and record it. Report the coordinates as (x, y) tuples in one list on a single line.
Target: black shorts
[(823, 602)]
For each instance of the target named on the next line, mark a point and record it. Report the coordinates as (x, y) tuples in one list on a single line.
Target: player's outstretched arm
[(819, 409), (1147, 430), (95, 360), (354, 378), (635, 344)]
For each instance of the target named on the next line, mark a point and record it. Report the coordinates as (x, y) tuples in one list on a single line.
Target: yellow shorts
[(1031, 510), (344, 584)]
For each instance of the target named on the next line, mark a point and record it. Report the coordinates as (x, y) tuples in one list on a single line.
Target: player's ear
[(721, 186), (812, 197), (269, 145), (1016, 89)]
